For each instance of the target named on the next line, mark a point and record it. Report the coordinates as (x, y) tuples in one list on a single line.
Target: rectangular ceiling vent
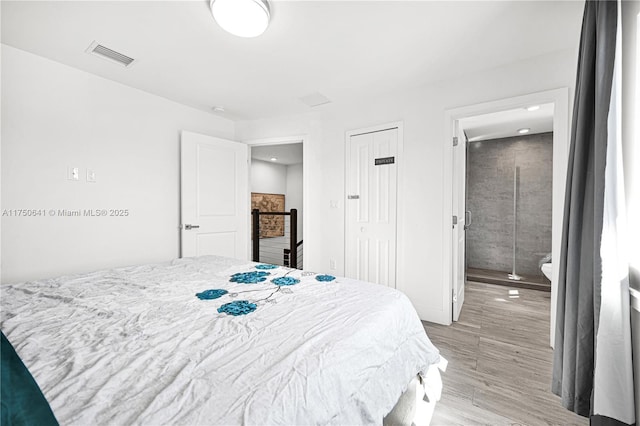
[(315, 99), (105, 53)]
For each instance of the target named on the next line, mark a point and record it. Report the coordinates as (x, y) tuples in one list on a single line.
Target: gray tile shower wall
[(490, 168)]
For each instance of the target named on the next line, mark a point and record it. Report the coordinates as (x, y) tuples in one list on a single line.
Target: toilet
[(547, 270)]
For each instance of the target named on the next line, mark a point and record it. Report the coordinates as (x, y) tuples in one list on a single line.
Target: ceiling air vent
[(315, 99), (105, 53)]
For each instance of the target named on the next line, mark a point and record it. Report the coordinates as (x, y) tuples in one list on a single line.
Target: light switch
[(73, 173), (91, 175), (332, 264)]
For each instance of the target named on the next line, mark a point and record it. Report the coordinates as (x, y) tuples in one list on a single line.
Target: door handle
[(188, 227), (467, 222)]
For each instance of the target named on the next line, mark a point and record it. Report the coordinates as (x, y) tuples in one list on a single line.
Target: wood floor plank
[(500, 362)]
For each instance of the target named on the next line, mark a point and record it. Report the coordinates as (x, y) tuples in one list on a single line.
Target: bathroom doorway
[(508, 203), (453, 173)]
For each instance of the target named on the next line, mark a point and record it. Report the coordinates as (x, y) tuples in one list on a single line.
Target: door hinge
[(455, 220), (455, 141), (455, 296)]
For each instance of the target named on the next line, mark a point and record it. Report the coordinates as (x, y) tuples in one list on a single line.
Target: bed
[(213, 340)]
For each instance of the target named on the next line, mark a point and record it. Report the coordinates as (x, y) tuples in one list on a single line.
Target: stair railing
[(293, 234)]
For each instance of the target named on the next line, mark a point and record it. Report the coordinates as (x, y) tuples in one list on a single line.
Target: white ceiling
[(286, 154), (504, 124), (344, 50)]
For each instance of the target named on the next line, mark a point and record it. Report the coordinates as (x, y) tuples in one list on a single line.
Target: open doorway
[(277, 203), (455, 174), (508, 197)]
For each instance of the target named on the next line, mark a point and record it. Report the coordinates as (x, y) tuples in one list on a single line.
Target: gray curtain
[(580, 266)]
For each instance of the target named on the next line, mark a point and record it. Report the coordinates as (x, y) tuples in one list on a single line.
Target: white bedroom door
[(371, 206), (214, 196), (458, 234)]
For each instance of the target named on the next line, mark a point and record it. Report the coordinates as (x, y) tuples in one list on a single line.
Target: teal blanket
[(21, 401)]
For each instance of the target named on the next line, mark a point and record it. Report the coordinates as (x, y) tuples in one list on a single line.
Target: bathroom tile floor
[(500, 362)]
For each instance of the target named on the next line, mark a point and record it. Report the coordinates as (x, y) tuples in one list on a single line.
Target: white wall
[(268, 178), (294, 193), (421, 227), (55, 116)]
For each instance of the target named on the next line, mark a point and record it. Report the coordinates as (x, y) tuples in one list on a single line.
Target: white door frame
[(285, 140), (399, 191), (560, 99)]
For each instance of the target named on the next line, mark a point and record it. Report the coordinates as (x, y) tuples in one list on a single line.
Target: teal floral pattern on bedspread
[(266, 266), (249, 277), (285, 281), (238, 307), (211, 294), (325, 278), (278, 284)]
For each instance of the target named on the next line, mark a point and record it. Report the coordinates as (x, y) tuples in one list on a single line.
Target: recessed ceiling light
[(244, 18), (218, 109), (533, 108), (274, 159), (523, 131)]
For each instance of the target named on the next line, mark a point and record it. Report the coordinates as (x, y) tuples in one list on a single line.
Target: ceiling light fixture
[(523, 131), (274, 159), (244, 18), (533, 108)]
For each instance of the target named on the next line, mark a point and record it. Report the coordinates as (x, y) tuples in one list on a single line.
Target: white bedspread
[(136, 346)]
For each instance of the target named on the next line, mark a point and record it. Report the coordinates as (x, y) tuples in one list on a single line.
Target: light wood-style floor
[(500, 361)]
